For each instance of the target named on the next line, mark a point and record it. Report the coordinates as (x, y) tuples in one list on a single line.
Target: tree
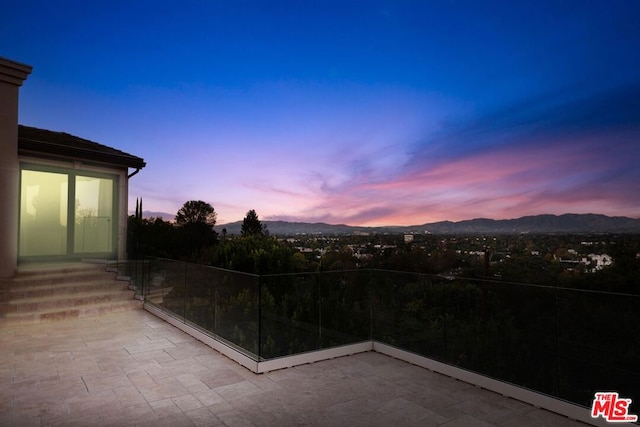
[(196, 211), (252, 226), (196, 220), (134, 230)]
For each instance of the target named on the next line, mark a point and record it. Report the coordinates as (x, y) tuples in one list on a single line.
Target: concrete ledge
[(207, 339), (313, 356), (255, 366)]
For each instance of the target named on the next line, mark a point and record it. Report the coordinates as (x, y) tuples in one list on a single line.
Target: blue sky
[(366, 113)]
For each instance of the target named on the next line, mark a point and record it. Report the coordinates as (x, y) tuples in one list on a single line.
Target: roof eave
[(40, 148)]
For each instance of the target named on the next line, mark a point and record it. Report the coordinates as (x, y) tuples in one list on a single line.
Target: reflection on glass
[(93, 215), (43, 213)]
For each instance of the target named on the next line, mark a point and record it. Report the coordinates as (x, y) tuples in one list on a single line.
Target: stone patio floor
[(133, 369)]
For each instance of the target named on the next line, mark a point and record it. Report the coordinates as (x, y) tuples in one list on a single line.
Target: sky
[(347, 112)]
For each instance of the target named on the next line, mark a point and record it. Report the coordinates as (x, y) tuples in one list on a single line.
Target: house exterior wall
[(12, 75)]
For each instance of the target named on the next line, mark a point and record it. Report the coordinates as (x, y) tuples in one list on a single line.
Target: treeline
[(191, 238), (549, 260)]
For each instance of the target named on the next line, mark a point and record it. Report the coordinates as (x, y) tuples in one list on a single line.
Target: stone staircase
[(47, 292)]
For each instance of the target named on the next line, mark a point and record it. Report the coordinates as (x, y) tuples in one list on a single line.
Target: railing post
[(319, 287), (371, 299), (557, 334), (215, 303), (445, 301), (259, 318), (142, 279)]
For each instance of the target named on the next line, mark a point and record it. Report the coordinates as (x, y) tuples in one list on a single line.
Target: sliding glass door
[(66, 214), (93, 231)]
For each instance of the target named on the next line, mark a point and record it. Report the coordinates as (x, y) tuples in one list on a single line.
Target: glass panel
[(43, 213), (509, 335), (200, 299), (290, 316), (173, 286), (344, 307), (313, 311), (94, 215), (236, 309), (599, 345), (410, 312)]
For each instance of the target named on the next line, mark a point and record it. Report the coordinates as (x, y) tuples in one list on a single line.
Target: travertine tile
[(187, 402), (203, 417), (163, 391), (173, 420), (164, 407), (100, 382), (141, 380), (129, 396), (466, 421), (220, 376), (187, 350), (192, 383), (158, 356), (208, 397), (131, 368), (240, 389), (149, 346), (236, 418)]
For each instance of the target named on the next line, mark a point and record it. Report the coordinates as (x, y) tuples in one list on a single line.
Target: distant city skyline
[(362, 113)]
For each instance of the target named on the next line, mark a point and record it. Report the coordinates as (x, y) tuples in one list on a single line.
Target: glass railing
[(598, 344), (219, 302), (134, 271), (566, 343), (313, 311)]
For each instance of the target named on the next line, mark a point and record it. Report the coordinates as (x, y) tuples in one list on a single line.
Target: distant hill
[(151, 214), (567, 223), (289, 228)]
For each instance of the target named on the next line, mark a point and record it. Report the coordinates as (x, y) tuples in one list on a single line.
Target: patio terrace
[(131, 368)]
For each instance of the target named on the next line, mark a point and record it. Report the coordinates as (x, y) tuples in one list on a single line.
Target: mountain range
[(567, 223)]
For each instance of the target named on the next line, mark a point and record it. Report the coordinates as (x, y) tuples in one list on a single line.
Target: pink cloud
[(556, 176)]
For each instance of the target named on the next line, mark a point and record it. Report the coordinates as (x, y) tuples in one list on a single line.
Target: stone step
[(45, 292), (74, 299), (21, 291), (53, 275), (88, 310), (40, 269)]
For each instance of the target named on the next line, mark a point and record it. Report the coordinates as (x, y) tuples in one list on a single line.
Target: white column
[(12, 75), (123, 214)]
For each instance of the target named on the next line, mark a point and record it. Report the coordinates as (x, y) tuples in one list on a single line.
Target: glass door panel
[(43, 213), (93, 225)]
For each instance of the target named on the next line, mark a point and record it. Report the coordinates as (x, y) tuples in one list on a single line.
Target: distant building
[(408, 238), (600, 260)]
